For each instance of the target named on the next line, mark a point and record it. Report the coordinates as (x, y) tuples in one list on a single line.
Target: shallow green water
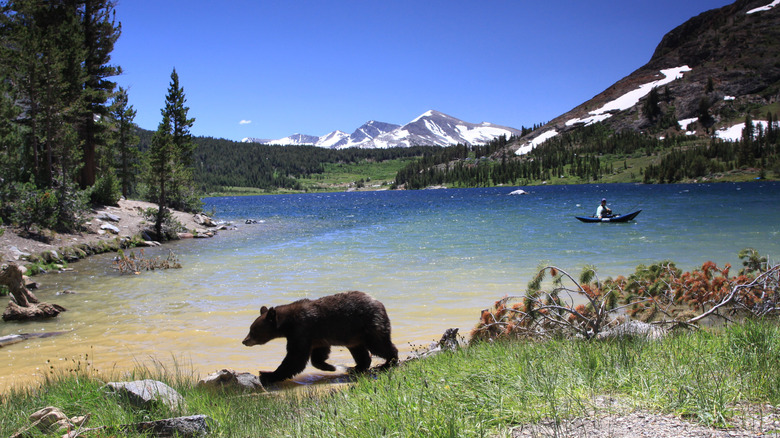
[(435, 258)]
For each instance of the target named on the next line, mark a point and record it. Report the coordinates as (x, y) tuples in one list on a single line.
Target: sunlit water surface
[(435, 258)]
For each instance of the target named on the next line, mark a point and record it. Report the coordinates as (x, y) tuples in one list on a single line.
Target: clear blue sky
[(311, 67)]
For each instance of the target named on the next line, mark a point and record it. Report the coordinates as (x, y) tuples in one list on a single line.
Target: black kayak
[(615, 218)]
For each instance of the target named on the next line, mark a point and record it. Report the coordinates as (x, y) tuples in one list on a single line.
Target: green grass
[(482, 390), (337, 177)]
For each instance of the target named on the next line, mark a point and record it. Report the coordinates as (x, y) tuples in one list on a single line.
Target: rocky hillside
[(708, 73)]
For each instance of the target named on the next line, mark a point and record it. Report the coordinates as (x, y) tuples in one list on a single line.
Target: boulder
[(202, 219), (106, 216), (51, 419), (231, 379), (142, 393), (17, 254), (111, 228), (182, 427), (633, 328)]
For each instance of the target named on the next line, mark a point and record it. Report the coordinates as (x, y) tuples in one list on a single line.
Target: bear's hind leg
[(318, 358), (362, 357)]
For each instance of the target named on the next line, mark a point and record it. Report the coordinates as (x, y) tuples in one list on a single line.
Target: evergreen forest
[(595, 154)]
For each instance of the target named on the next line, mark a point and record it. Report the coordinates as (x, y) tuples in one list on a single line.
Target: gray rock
[(202, 219), (632, 328), (16, 253), (106, 216), (231, 378), (112, 228), (144, 392), (191, 426)]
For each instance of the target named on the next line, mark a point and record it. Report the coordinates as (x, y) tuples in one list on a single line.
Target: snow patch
[(631, 98), (764, 8), (731, 97), (685, 122), (528, 147), (734, 133)]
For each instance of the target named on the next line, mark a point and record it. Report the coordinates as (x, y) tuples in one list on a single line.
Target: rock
[(141, 393), (66, 292), (183, 427), (186, 235), (232, 379), (632, 328), (202, 219), (51, 256), (51, 419), (112, 228), (106, 216), (16, 253), (519, 192)]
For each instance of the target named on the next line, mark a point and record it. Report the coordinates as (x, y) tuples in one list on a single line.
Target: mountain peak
[(432, 128)]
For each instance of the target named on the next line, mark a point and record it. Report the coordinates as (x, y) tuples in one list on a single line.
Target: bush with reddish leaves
[(659, 294)]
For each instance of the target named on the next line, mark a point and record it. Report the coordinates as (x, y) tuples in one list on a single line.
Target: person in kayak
[(603, 211)]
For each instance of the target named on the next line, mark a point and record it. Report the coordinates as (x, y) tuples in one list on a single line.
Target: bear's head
[(263, 329)]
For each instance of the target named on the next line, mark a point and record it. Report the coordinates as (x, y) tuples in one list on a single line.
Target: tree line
[(67, 132), (588, 154)]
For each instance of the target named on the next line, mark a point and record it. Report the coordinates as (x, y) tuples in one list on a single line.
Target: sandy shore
[(13, 246)]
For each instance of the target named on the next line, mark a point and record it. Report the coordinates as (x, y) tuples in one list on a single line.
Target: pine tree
[(122, 114), (181, 194), (171, 155), (651, 108), (100, 32)]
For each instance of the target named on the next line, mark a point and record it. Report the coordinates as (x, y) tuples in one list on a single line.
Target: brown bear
[(351, 319)]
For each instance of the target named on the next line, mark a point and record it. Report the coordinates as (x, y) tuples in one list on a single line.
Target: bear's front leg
[(293, 363), (318, 358)]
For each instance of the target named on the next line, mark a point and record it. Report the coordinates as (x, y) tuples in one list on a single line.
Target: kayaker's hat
[(603, 199)]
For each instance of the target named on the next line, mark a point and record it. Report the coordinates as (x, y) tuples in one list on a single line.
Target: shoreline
[(104, 231)]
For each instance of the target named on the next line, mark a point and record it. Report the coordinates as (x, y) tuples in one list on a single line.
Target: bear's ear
[(271, 315), (263, 310)]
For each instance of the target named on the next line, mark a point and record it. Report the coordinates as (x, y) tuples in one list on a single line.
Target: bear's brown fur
[(352, 319)]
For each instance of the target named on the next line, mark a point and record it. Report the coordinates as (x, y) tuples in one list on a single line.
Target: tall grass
[(483, 390)]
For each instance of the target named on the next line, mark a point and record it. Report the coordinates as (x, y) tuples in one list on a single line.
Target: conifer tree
[(126, 141), (170, 155), (100, 31)]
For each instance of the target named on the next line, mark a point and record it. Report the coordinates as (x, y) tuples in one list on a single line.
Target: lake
[(435, 258)]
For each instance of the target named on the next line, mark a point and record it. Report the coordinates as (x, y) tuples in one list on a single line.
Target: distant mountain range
[(432, 128)]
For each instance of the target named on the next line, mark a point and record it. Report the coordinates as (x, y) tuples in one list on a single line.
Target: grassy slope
[(482, 390)]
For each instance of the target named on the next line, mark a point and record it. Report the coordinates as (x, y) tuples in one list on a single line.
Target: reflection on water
[(434, 258)]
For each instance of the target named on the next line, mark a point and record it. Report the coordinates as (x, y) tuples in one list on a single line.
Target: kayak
[(615, 218)]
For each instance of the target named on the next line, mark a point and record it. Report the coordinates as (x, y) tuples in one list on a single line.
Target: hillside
[(725, 63), (680, 117)]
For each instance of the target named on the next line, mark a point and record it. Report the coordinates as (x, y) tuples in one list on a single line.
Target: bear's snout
[(248, 341)]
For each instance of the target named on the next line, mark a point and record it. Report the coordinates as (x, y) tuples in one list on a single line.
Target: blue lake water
[(434, 257)]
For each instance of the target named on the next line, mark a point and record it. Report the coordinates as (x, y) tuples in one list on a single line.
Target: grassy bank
[(709, 377)]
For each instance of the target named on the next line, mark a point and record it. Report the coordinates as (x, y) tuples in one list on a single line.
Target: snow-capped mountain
[(432, 128), (332, 139), (369, 131), (439, 129)]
